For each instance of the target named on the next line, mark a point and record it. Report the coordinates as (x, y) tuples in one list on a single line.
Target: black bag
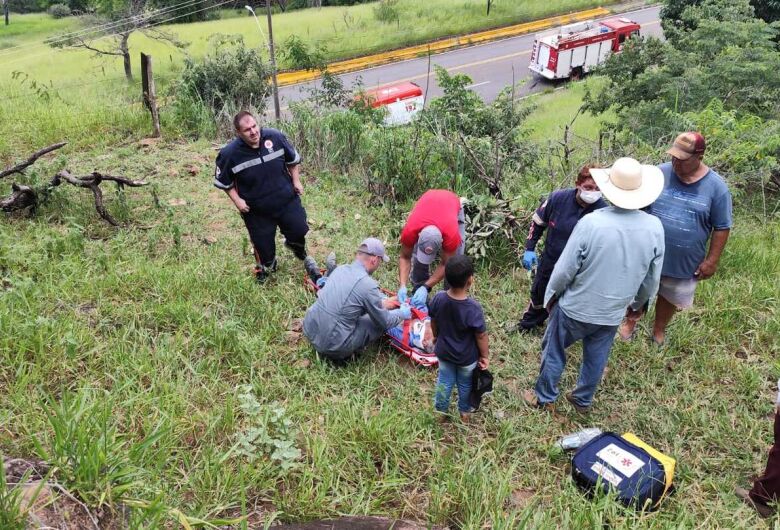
[(638, 478), (481, 385)]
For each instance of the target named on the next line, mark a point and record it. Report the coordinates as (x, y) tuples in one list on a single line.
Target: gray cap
[(373, 247), (428, 244)]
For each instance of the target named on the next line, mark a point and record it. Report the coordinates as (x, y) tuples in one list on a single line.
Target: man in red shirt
[(435, 227)]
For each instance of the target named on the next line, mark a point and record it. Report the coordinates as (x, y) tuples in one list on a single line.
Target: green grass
[(159, 327), (141, 336), (555, 109)]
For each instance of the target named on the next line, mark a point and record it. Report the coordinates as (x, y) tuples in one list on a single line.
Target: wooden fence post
[(150, 97)]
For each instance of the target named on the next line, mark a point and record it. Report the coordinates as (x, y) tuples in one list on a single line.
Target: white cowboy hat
[(629, 184)]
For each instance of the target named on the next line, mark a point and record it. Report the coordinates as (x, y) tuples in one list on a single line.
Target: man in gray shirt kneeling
[(611, 262), (351, 311)]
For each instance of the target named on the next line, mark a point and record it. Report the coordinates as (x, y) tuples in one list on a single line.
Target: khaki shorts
[(678, 292)]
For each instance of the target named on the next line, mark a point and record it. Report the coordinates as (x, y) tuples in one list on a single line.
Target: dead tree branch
[(25, 197), (19, 168), (93, 183)]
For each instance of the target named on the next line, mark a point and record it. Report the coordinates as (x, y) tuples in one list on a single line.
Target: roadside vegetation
[(74, 91), (152, 339)]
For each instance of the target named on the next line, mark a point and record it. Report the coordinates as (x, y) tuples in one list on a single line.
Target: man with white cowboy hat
[(694, 207), (611, 262), (436, 227), (350, 310)]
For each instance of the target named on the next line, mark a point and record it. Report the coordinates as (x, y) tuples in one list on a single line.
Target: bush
[(387, 11), (296, 55), (59, 11), (209, 92)]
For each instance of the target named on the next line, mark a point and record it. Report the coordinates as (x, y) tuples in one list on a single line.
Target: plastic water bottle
[(578, 439)]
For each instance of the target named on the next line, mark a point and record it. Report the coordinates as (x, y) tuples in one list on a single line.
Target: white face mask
[(589, 197)]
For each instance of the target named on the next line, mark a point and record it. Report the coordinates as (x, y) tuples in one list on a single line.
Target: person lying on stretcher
[(412, 332), (351, 311)]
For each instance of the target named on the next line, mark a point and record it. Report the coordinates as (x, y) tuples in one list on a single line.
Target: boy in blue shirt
[(458, 325)]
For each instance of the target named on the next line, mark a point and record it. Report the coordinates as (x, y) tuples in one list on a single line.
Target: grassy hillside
[(124, 352), (150, 329)]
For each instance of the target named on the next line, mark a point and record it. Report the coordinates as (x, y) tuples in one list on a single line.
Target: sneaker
[(530, 399), (763, 510), (330, 263), (312, 269), (579, 408)]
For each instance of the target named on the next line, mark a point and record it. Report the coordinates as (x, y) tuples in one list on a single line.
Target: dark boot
[(263, 272)]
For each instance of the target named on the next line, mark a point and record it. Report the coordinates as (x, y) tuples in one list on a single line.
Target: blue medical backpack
[(613, 463)]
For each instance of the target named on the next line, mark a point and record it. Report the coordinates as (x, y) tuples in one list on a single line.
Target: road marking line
[(454, 68), (475, 85), (422, 50)]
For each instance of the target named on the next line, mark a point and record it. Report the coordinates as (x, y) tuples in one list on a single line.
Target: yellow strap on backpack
[(667, 461)]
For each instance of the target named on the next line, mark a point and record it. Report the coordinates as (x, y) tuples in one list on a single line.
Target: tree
[(117, 20), (728, 55), (673, 22)]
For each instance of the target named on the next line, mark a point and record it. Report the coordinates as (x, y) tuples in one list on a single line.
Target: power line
[(99, 28), (27, 58)]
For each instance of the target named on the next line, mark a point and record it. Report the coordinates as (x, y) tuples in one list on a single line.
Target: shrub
[(387, 11), (296, 54), (59, 10), (209, 92)]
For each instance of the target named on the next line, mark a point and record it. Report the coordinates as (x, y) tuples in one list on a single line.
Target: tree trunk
[(126, 56)]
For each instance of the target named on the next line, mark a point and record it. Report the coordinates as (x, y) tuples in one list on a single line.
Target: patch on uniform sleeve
[(216, 172)]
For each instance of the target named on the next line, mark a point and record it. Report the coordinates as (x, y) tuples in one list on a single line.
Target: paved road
[(491, 66)]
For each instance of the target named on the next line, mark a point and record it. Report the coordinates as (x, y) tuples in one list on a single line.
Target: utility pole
[(277, 112)]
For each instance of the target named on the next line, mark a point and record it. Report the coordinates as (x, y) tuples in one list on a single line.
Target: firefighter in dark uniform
[(558, 214), (260, 172)]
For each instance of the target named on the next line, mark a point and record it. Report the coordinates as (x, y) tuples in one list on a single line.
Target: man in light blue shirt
[(351, 311), (611, 262)]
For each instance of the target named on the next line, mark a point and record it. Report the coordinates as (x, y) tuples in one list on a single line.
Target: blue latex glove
[(405, 311), (402, 296), (420, 296), (529, 259)]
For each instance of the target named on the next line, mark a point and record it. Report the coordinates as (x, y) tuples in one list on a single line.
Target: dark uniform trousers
[(291, 221), (536, 314)]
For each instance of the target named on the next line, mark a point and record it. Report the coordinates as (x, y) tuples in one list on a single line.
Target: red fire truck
[(574, 50)]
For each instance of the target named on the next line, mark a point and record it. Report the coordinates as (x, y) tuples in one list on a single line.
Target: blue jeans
[(561, 333), (449, 375)]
